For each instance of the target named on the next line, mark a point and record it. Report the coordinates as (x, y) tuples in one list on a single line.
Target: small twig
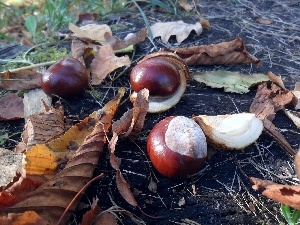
[(32, 66)]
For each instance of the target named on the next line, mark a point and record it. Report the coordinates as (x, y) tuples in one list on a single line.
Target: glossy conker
[(164, 74), (65, 78), (177, 147)]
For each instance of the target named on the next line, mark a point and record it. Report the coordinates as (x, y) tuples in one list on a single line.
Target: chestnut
[(177, 147), (65, 78), (164, 74)]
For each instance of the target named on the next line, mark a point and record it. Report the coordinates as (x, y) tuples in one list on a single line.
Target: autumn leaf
[(26, 218), (20, 80), (11, 107), (52, 198), (185, 5), (105, 62), (180, 29), (124, 189), (94, 32), (230, 81), (130, 39), (285, 194), (224, 53), (296, 98)]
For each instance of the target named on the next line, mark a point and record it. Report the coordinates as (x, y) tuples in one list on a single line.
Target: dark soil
[(221, 192)]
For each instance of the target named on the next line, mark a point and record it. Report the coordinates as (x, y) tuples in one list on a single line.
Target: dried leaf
[(51, 199), (26, 218), (297, 164), (12, 169), (285, 194), (124, 189), (94, 32), (130, 39), (180, 29), (224, 53), (20, 80), (276, 79), (11, 107), (296, 98), (264, 21), (105, 62), (273, 131), (185, 5), (132, 122), (294, 117), (230, 81), (268, 101)]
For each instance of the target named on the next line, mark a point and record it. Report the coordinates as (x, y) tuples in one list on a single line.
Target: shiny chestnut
[(65, 78), (177, 147), (164, 74)]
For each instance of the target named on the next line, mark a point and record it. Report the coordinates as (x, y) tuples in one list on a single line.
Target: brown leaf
[(273, 131), (52, 198), (124, 189), (185, 5), (224, 53), (285, 194), (276, 79), (182, 30), (268, 101), (130, 39), (297, 164), (11, 107), (296, 98), (132, 122), (20, 80), (105, 62), (99, 216), (26, 218)]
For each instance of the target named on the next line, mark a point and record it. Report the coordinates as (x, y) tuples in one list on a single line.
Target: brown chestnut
[(65, 78), (177, 147), (164, 74)]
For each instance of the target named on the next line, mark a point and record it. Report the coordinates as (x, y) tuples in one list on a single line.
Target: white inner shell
[(235, 131), (185, 136)]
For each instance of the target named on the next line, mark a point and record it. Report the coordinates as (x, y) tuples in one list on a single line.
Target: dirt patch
[(221, 192)]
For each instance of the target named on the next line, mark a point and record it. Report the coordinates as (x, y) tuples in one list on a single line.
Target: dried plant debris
[(285, 194), (231, 81), (294, 116), (178, 28), (11, 107), (296, 98), (105, 62), (224, 53), (20, 80)]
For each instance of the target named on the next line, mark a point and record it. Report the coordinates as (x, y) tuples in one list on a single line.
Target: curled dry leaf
[(105, 62), (124, 189), (268, 101), (294, 116), (20, 80), (179, 28), (51, 199), (130, 39), (235, 131), (224, 53), (276, 79), (11, 107), (285, 194), (230, 81), (94, 32)]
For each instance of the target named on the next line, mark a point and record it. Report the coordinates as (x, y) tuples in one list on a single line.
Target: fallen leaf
[(20, 80), (264, 21), (285, 194), (26, 218), (268, 101), (12, 169), (55, 196), (224, 53), (124, 189), (296, 98), (230, 81), (11, 107), (105, 62), (294, 116), (185, 5), (276, 79), (130, 39), (297, 164), (94, 32), (180, 29)]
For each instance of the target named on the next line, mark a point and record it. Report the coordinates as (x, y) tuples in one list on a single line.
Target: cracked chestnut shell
[(177, 147), (65, 78), (165, 75)]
